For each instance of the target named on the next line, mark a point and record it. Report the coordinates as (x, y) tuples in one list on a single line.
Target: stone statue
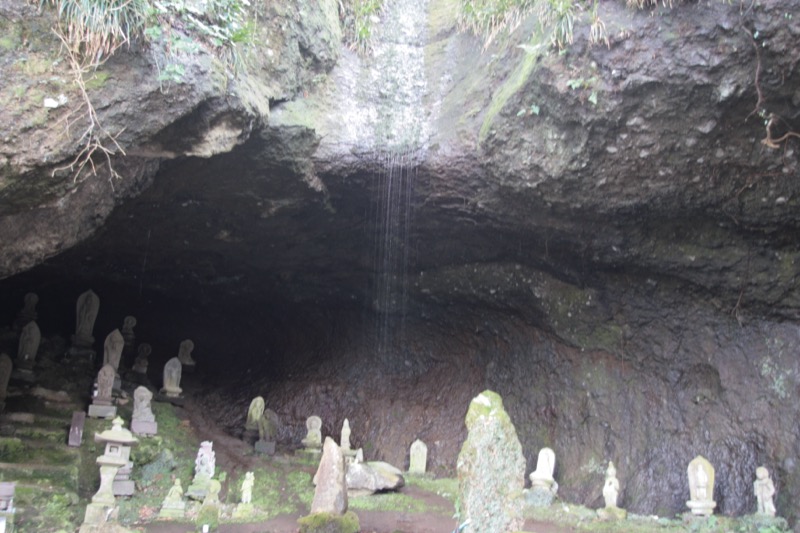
[(543, 486), (144, 421), (29, 341), (204, 468), (313, 440), (417, 457), (254, 413), (112, 349), (701, 487), (185, 353), (611, 486), (28, 312), (175, 493), (105, 385), (345, 440), (172, 378), (765, 490), (141, 363), (247, 487), (86, 309), (173, 505)]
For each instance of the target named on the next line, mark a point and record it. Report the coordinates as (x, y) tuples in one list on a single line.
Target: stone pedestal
[(102, 411), (265, 447), (173, 511), (123, 485), (142, 427), (243, 511)]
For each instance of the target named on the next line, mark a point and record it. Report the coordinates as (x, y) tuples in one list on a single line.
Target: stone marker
[(142, 355), (128, 323), (173, 507), (267, 432), (417, 457), (28, 312), (29, 341), (254, 413), (6, 366), (313, 440), (764, 490), (543, 485), (491, 468), (701, 486), (144, 421), (172, 378), (330, 496), (345, 439), (610, 496), (85, 314), (102, 402), (76, 429), (112, 349), (205, 465), (185, 355)]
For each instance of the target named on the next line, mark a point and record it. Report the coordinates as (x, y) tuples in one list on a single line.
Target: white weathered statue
[(172, 378), (247, 487), (112, 349), (345, 440), (417, 457), (313, 440), (254, 413), (611, 486), (765, 490), (545, 466), (701, 487)]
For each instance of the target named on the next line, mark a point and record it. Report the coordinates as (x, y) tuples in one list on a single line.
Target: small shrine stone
[(6, 367), (144, 421), (701, 487), (204, 468), (173, 507), (142, 355), (76, 429), (330, 495), (764, 489), (101, 406), (418, 457), (29, 341), (28, 312), (172, 378), (313, 439), (86, 310), (491, 468), (543, 486)]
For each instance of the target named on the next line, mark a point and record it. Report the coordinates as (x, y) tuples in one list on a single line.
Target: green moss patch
[(329, 523)]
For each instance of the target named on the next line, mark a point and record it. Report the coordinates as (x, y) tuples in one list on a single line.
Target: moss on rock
[(329, 523)]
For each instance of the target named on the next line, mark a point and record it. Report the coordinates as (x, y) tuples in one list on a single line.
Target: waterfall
[(398, 87)]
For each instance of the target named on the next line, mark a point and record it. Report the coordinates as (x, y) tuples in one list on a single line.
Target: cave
[(606, 237)]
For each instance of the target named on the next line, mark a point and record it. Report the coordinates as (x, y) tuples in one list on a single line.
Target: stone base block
[(265, 447), (102, 411), (123, 488), (243, 511), (167, 398), (141, 427), (701, 508), (329, 523), (539, 497), (172, 513), (612, 513)]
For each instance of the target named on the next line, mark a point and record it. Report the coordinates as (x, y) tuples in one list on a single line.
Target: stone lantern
[(116, 457)]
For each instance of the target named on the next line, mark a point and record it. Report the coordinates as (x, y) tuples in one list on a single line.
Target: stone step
[(16, 450), (42, 434), (64, 476)]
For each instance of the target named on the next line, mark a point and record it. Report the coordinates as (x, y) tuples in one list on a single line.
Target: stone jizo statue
[(545, 466), (112, 349), (611, 486), (86, 309), (185, 353), (175, 493), (172, 378), (765, 490), (254, 413), (345, 440), (313, 440), (247, 487), (701, 487)]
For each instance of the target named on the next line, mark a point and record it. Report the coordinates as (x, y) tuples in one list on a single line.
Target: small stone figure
[(313, 440), (701, 487), (247, 487), (610, 495), (345, 440), (141, 363), (418, 457), (204, 468), (185, 353), (543, 486), (28, 312), (765, 490), (112, 349), (86, 311), (211, 507), (254, 413), (173, 506), (144, 421), (101, 406), (172, 378), (29, 341)]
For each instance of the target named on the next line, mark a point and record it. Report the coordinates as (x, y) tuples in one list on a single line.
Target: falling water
[(397, 82)]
